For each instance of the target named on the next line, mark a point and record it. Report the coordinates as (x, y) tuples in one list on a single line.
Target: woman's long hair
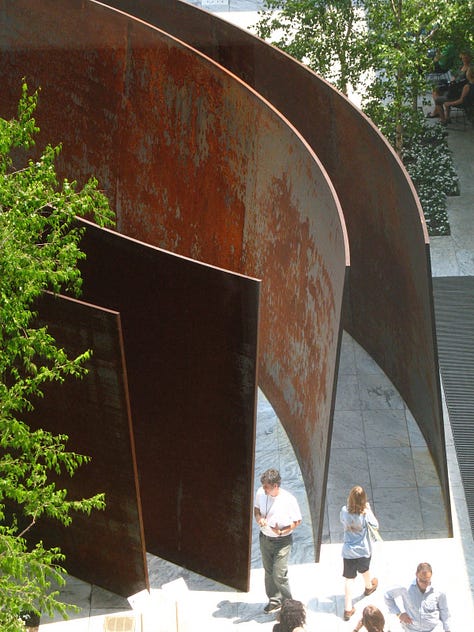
[(292, 615), (357, 500), (373, 619)]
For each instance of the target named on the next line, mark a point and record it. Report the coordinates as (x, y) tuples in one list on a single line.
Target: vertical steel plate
[(107, 548)]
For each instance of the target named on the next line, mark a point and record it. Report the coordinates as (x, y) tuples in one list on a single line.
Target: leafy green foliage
[(326, 35), (39, 251)]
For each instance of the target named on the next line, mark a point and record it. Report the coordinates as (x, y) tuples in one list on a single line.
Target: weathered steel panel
[(107, 547), (389, 307), (190, 334), (197, 163)]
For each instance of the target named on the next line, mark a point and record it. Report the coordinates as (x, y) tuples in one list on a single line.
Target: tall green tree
[(397, 36), (327, 35), (39, 251)]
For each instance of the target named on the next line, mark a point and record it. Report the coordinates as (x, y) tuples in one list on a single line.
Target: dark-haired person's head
[(373, 619), (292, 615)]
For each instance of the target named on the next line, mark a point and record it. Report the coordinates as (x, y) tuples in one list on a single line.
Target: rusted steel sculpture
[(196, 162), (389, 304)]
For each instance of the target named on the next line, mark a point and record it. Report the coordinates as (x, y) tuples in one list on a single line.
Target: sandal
[(373, 588), (348, 614)]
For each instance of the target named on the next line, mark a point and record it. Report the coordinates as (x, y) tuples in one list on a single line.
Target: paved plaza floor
[(377, 444)]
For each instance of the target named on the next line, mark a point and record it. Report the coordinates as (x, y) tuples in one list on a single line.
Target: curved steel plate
[(389, 306)]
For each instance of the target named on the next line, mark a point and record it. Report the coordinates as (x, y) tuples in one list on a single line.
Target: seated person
[(292, 617), (465, 100), (452, 90)]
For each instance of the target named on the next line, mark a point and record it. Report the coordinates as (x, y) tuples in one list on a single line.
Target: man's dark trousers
[(275, 553)]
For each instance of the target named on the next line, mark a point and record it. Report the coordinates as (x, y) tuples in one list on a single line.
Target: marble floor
[(408, 509)]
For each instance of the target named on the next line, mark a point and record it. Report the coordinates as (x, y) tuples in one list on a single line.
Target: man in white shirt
[(420, 607), (277, 514)]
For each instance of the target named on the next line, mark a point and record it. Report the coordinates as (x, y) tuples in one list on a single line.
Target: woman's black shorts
[(354, 566)]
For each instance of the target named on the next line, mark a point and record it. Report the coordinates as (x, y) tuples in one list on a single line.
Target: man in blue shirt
[(420, 607)]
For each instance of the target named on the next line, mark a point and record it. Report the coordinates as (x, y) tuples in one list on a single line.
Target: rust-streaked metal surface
[(190, 336), (389, 307), (107, 547), (197, 163)]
